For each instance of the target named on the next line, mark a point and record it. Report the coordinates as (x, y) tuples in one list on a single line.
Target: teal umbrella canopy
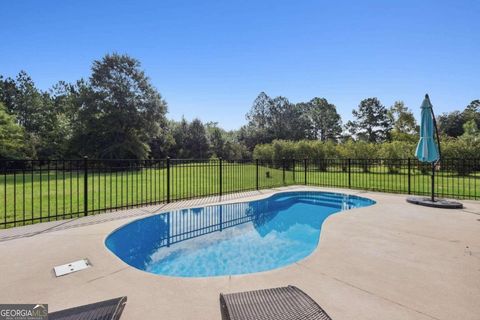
[(427, 148)]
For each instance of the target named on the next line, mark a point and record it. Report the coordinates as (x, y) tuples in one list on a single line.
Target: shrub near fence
[(37, 191)]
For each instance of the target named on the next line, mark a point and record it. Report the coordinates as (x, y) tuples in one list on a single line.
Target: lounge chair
[(285, 303), (104, 310)]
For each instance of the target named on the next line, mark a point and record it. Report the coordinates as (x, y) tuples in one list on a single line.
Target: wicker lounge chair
[(285, 303), (104, 310)]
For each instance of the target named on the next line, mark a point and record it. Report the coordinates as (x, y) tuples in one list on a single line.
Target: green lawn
[(50, 195)]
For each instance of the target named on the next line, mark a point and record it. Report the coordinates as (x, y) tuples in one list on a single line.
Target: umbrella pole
[(439, 153), (433, 181)]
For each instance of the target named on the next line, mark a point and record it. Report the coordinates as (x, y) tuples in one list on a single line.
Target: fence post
[(256, 180), (409, 176), (349, 173), (220, 176), (305, 170), (283, 170), (168, 179), (85, 186)]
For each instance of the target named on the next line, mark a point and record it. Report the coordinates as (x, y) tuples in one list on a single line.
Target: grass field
[(30, 197)]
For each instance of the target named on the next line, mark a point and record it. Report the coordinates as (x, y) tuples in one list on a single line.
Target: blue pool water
[(230, 239)]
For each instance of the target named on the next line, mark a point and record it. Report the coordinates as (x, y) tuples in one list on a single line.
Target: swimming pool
[(230, 239)]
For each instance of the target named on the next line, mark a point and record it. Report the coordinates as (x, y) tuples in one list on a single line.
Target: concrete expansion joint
[(380, 296)]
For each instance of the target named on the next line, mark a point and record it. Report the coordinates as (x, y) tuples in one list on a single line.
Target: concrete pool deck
[(392, 260)]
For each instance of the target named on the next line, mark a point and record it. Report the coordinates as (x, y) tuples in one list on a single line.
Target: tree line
[(116, 113), (278, 119)]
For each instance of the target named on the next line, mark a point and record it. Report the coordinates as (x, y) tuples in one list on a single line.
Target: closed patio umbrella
[(428, 150)]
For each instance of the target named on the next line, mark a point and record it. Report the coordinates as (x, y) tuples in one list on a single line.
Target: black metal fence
[(45, 190)]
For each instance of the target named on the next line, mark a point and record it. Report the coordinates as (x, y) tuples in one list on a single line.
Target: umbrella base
[(438, 203)]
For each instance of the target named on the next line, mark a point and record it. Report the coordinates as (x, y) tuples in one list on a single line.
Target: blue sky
[(210, 59)]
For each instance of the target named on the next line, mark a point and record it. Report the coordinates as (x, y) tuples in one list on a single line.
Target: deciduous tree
[(451, 124), (405, 126), (12, 137), (120, 110)]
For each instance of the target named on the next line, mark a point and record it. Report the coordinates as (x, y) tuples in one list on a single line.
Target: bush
[(365, 155), (263, 152), (390, 151), (359, 150), (283, 149), (459, 151), (289, 150), (313, 150)]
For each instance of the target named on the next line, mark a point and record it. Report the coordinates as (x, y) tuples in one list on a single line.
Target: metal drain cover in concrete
[(71, 267)]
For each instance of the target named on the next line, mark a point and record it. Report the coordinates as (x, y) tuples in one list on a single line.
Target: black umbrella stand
[(431, 201)]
